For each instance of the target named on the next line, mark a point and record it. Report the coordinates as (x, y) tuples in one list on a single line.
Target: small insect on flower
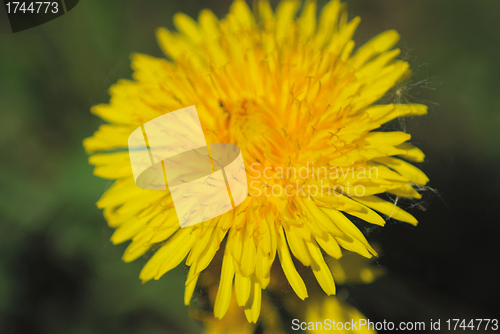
[(294, 95)]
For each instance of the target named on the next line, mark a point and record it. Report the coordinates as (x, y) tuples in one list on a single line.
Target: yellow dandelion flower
[(235, 321), (330, 313), (299, 102), (354, 269)]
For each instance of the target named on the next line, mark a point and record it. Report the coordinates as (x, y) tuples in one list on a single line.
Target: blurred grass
[(60, 273)]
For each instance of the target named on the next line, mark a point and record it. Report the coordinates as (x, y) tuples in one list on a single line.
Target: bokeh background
[(59, 273)]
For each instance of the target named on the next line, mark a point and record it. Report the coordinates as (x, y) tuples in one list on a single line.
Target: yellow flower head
[(331, 314), (294, 96)]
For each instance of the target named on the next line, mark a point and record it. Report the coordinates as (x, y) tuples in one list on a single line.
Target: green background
[(59, 273)]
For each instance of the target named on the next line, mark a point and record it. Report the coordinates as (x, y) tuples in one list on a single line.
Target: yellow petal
[(284, 18), (374, 66), (376, 45), (170, 43), (187, 26), (307, 19), (248, 256), (318, 218), (130, 228), (387, 208), (405, 191), (291, 273), (264, 11), (412, 153), (328, 22), (113, 115), (262, 267), (224, 291), (320, 269), (405, 110), (108, 137), (298, 247), (382, 175), (386, 138), (252, 309), (174, 250), (163, 233), (345, 34), (358, 244), (408, 170), (204, 259), (362, 212), (209, 23), (199, 246), (330, 246), (242, 288), (120, 192), (131, 255), (242, 13), (380, 84), (188, 292)]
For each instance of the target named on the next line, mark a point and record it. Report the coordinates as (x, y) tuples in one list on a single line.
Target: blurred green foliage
[(60, 274)]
